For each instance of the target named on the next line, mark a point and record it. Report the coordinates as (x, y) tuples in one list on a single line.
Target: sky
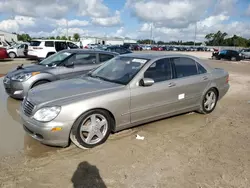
[(170, 19)]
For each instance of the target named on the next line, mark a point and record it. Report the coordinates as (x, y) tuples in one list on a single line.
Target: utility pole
[(195, 32), (151, 33), (67, 28)]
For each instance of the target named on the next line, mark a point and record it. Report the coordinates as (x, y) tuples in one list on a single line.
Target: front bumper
[(42, 131), (15, 89)]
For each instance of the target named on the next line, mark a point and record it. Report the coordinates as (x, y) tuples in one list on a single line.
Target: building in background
[(9, 37), (106, 41)]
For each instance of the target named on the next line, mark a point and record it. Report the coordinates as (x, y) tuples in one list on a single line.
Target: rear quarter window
[(201, 69), (49, 43), (35, 43)]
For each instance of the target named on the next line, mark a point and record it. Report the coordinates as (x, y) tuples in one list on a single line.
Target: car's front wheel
[(209, 101), (91, 129)]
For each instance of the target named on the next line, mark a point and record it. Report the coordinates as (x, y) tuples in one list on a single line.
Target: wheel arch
[(47, 80), (103, 109)]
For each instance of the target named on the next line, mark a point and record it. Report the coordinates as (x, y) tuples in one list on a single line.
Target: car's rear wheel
[(233, 58), (209, 101), (12, 55), (91, 129)]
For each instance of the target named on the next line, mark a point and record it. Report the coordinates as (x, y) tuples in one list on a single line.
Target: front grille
[(28, 107)]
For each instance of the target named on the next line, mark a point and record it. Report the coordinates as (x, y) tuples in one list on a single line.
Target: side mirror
[(145, 82), (69, 64)]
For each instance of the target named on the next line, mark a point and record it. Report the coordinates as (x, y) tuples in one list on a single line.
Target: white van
[(40, 49)]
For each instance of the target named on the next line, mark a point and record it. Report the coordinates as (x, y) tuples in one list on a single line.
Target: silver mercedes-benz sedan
[(126, 91)]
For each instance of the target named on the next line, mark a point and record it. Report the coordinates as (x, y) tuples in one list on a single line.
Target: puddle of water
[(13, 138)]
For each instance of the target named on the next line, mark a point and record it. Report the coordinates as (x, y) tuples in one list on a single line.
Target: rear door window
[(49, 43), (35, 43), (184, 67), (105, 57), (72, 45)]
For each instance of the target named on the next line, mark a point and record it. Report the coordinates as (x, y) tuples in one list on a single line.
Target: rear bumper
[(223, 91)]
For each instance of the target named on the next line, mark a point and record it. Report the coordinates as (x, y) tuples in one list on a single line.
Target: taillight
[(227, 80), (37, 48)]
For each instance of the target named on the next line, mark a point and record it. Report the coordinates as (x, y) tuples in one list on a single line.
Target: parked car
[(245, 53), (124, 92), (227, 54), (118, 49), (19, 50), (41, 49), (62, 65), (3, 53)]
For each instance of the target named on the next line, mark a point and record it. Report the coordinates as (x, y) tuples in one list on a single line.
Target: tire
[(210, 106), (39, 83), (12, 55), (233, 59), (87, 137)]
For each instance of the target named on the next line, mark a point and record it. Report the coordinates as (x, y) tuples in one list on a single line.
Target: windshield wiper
[(105, 79)]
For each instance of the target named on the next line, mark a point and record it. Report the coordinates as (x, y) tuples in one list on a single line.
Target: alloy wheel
[(210, 101), (93, 129)]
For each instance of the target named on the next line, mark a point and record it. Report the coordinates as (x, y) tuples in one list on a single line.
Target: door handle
[(205, 77), (171, 85)]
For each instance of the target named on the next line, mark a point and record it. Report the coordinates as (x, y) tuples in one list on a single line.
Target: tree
[(69, 38), (23, 37), (160, 42), (58, 38), (63, 38), (216, 38), (76, 37), (52, 37)]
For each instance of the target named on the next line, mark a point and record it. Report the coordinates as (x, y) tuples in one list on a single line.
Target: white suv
[(41, 49)]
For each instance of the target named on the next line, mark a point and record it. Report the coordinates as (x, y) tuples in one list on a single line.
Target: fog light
[(18, 92), (56, 129)]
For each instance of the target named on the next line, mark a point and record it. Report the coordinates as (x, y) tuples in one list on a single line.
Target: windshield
[(119, 70), (55, 59)]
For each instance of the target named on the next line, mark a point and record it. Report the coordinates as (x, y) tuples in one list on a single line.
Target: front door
[(20, 50), (158, 99), (83, 63)]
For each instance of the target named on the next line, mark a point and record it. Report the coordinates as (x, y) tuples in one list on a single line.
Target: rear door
[(60, 45), (191, 79), (20, 50)]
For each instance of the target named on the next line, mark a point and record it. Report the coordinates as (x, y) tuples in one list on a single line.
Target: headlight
[(47, 113), (24, 76)]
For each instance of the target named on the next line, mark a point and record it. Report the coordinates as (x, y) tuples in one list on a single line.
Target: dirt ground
[(190, 150)]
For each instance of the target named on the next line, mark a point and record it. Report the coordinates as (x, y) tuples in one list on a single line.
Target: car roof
[(55, 40), (79, 50), (152, 56)]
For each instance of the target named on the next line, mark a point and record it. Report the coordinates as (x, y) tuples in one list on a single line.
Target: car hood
[(70, 90), (27, 69)]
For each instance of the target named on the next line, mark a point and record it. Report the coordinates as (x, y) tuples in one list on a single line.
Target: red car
[(155, 48), (3, 53)]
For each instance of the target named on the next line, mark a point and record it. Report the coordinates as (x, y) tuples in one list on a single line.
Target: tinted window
[(83, 59), (159, 71), (35, 43), (120, 50), (105, 57), (0, 43), (60, 46), (72, 45), (49, 43), (201, 69), (184, 67)]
